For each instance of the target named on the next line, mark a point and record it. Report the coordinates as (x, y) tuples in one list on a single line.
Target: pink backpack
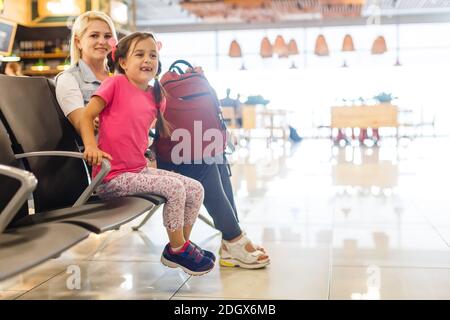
[(190, 98)]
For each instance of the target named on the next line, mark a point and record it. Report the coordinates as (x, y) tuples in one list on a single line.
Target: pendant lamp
[(379, 45), (235, 50), (321, 48), (266, 48), (292, 47), (347, 45), (280, 47)]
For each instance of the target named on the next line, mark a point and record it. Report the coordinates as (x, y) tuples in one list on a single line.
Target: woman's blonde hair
[(79, 28)]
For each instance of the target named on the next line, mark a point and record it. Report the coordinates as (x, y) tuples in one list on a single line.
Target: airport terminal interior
[(338, 149)]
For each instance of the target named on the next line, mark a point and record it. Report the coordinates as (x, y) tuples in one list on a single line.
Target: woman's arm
[(70, 99), (92, 153), (75, 119)]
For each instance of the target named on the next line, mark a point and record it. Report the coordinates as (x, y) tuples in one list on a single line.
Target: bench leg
[(148, 216), (105, 242), (206, 220)]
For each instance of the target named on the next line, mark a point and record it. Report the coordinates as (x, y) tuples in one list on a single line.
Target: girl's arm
[(92, 154)]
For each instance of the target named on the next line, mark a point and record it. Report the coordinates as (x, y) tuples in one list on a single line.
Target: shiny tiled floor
[(339, 223)]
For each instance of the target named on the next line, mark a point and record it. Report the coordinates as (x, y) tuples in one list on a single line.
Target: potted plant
[(384, 97)]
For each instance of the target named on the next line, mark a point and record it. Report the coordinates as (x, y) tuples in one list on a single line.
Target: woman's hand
[(196, 69), (96, 124), (93, 155)]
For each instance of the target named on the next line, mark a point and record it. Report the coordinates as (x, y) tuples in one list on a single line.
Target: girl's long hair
[(128, 44)]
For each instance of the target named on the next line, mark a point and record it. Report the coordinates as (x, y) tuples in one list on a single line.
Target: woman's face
[(94, 42)]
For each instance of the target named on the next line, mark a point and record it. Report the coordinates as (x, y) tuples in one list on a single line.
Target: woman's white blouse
[(75, 87)]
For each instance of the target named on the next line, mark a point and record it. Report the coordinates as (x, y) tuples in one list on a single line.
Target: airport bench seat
[(24, 248)]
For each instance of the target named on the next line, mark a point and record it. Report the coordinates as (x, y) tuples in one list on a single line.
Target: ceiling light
[(347, 45), (235, 50), (379, 45), (321, 48), (266, 48)]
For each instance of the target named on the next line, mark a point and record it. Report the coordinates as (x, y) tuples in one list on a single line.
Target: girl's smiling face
[(141, 62)]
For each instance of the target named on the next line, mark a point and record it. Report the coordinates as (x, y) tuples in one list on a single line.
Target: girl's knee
[(178, 190), (197, 186), (198, 189)]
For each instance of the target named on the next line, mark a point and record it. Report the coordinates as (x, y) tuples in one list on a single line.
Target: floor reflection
[(363, 168), (339, 223)]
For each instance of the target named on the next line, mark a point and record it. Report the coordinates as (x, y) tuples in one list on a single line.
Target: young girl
[(127, 106)]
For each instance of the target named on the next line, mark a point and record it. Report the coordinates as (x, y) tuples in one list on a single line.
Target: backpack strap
[(175, 67)]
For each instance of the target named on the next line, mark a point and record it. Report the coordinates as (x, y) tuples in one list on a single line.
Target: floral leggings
[(184, 195)]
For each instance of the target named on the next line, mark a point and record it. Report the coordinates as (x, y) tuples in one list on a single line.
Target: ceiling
[(192, 15)]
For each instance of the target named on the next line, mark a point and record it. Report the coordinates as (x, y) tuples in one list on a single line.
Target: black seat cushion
[(24, 248), (98, 216)]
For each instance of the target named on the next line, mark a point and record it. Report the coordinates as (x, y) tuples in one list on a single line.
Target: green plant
[(384, 97)]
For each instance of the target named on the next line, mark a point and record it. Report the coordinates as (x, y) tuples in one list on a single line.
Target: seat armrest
[(28, 183), (106, 167)]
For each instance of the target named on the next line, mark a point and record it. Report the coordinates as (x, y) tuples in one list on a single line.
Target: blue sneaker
[(189, 259), (206, 253)]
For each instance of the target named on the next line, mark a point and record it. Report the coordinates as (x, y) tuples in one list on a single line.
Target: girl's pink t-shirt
[(125, 124)]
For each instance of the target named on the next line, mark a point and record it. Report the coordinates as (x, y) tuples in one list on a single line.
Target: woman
[(88, 59), (89, 49)]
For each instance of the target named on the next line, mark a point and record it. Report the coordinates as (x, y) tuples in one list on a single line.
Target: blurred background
[(339, 111), (304, 56)]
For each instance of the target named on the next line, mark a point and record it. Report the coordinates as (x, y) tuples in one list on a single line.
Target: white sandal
[(234, 254), (255, 245)]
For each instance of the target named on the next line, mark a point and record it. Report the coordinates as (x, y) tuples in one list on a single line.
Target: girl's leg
[(176, 237), (217, 194), (194, 197), (179, 252), (194, 200), (219, 199), (149, 182), (187, 229)]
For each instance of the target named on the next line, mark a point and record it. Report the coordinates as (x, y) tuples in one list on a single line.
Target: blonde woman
[(88, 59)]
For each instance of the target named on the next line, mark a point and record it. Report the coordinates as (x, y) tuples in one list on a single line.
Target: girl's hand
[(93, 155)]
